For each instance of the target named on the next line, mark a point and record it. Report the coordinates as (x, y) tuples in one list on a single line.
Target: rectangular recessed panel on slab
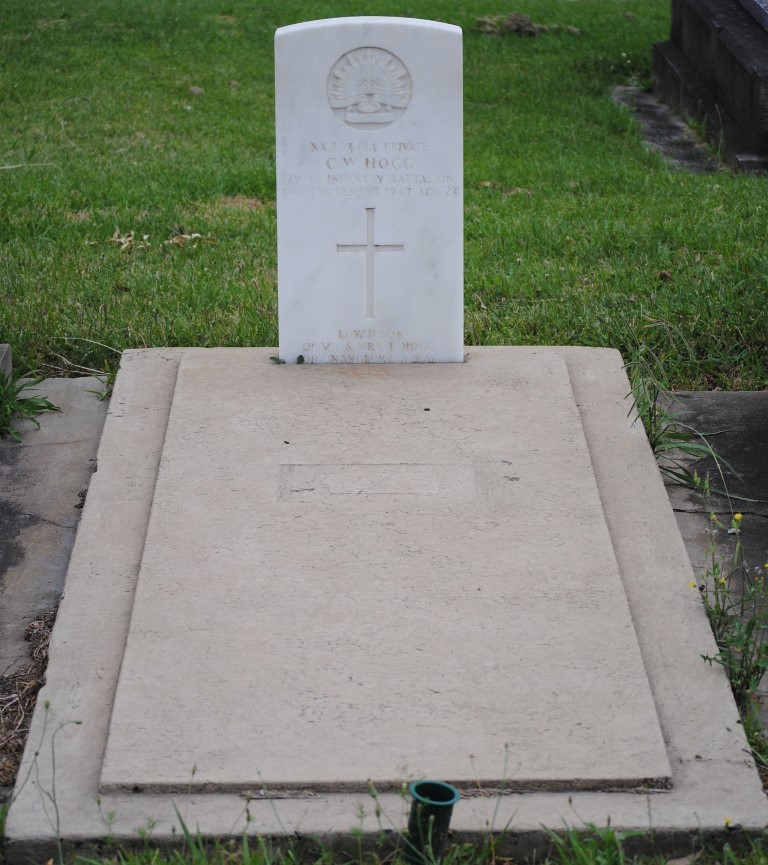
[(358, 573)]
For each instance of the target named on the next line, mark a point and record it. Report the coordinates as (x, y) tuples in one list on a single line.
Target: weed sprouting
[(194, 848), (106, 373), (672, 441), (736, 601), (47, 793), (4, 808), (590, 846), (15, 404)]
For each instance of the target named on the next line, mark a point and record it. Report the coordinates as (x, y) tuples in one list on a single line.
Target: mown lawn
[(111, 159)]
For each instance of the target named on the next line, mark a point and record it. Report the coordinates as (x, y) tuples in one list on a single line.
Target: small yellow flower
[(727, 821), (692, 584), (737, 517), (722, 581)]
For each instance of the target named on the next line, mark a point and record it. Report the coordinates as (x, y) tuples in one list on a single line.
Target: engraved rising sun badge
[(369, 88)]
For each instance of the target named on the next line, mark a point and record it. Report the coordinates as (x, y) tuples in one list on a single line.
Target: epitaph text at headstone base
[(369, 191)]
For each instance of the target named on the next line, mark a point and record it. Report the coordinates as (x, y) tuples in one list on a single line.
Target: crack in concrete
[(45, 520), (696, 509), (28, 445)]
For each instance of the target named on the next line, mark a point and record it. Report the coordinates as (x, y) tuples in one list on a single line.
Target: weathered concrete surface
[(347, 565), (43, 479), (713, 777)]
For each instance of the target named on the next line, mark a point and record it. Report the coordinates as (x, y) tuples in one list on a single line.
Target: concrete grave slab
[(279, 461), (359, 545), (369, 191)]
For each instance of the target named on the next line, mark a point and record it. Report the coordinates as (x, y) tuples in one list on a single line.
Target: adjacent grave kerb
[(715, 67), (758, 9), (369, 191)]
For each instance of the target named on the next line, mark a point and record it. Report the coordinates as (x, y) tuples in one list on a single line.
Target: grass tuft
[(16, 404), (736, 600)]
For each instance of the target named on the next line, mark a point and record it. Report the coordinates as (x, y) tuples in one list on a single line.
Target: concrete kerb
[(714, 778), (43, 480)]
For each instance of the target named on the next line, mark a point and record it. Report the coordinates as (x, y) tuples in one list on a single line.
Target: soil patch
[(18, 695)]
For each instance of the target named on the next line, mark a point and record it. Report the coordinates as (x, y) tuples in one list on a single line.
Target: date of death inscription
[(346, 169)]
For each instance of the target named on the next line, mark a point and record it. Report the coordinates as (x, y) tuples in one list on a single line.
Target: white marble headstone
[(369, 191)]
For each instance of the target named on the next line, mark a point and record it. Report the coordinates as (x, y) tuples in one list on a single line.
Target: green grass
[(589, 846), (570, 221)]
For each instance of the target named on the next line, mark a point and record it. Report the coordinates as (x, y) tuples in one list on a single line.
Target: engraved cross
[(370, 249)]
